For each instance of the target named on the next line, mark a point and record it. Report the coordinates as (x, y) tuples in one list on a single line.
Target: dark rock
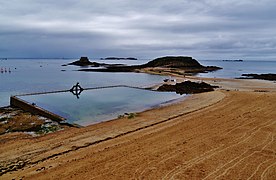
[(174, 62), (131, 58), (235, 60), (270, 76), (187, 64), (120, 58), (187, 87), (112, 68), (84, 61)]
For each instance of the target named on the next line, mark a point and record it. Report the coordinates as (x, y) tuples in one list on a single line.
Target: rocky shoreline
[(17, 120)]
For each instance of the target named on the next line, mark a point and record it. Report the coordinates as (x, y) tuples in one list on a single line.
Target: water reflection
[(102, 104)]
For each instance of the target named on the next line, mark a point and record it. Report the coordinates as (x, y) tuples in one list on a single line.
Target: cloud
[(206, 29)]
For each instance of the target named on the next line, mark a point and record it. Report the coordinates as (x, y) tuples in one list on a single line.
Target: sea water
[(42, 75), (97, 105), (234, 69)]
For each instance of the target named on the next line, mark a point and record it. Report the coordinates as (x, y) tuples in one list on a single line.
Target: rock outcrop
[(187, 87), (174, 62), (84, 61), (270, 76)]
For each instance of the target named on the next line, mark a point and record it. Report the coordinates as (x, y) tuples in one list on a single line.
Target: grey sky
[(204, 29)]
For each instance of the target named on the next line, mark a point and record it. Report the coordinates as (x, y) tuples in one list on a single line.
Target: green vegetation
[(48, 128), (132, 115), (121, 116), (128, 115)]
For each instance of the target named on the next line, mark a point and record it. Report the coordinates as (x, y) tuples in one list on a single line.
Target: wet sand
[(226, 134)]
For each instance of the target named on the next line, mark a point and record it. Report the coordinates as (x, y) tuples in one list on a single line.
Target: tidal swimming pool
[(97, 105)]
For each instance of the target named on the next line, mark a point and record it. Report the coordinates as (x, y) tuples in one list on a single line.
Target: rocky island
[(84, 61), (170, 64)]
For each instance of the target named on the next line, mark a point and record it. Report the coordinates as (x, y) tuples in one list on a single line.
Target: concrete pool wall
[(16, 101), (32, 108), (87, 106)]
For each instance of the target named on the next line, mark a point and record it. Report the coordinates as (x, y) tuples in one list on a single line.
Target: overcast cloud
[(204, 29)]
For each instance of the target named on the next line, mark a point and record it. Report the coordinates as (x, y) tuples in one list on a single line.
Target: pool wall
[(17, 102)]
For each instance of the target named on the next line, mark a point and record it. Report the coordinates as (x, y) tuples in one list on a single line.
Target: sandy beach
[(225, 134)]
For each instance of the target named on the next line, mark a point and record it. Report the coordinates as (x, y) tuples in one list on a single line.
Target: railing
[(90, 88)]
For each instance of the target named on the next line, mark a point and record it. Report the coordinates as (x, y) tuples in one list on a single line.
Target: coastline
[(47, 156)]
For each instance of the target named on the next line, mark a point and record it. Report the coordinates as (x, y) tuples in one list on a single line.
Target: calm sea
[(232, 69), (19, 76), (98, 105), (40, 75)]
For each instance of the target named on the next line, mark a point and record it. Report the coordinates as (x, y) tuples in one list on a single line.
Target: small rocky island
[(269, 77), (119, 58), (170, 64), (84, 61), (235, 60), (187, 87)]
